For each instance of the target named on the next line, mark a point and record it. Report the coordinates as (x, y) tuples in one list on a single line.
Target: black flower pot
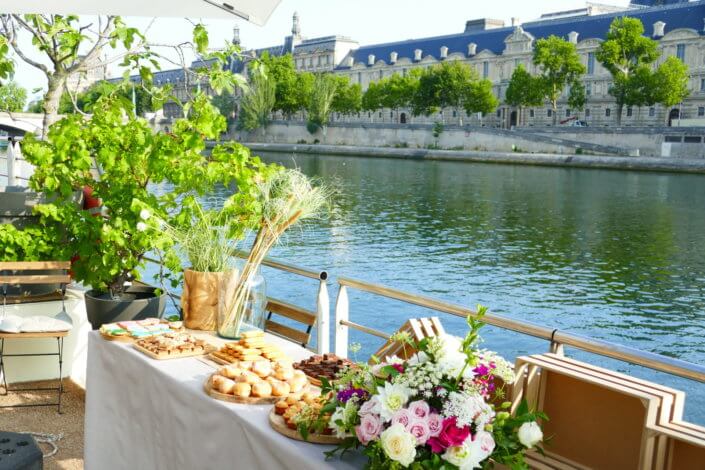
[(136, 303)]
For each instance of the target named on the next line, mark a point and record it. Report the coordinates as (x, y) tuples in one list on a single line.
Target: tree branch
[(11, 34)]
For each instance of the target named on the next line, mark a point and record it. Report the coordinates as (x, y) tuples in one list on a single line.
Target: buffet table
[(147, 414)]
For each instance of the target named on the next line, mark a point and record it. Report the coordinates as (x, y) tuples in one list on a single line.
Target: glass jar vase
[(242, 300)]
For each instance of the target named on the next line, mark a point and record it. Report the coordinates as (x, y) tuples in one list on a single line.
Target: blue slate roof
[(680, 15)]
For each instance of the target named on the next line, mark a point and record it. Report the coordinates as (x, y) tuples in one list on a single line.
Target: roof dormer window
[(444, 52), (417, 54)]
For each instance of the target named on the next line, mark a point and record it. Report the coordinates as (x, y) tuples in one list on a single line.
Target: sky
[(366, 21)]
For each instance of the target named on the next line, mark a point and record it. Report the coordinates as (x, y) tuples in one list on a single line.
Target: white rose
[(466, 456), (339, 415), (141, 226), (145, 214), (392, 398), (485, 442), (530, 434), (399, 444)]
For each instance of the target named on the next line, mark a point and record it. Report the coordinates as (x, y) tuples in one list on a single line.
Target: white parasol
[(254, 11)]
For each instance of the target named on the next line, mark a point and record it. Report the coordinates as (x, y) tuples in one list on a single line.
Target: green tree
[(320, 102), (627, 54), (282, 70), (577, 98), (452, 85), (226, 104), (372, 98), (7, 66), (398, 90), (523, 90), (62, 40), (560, 67), (348, 96), (670, 82), (12, 97), (257, 103)]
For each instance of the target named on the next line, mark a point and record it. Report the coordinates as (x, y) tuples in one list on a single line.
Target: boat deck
[(47, 420)]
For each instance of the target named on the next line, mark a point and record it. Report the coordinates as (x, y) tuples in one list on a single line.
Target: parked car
[(578, 124)]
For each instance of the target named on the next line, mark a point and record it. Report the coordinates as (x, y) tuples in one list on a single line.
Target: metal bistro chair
[(35, 332)]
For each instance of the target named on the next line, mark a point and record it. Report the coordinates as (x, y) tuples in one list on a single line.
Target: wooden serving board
[(120, 339), (279, 425), (163, 356), (208, 387), (218, 360)]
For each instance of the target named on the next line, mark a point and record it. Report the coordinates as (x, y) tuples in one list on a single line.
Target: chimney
[(393, 58), (371, 59), (573, 37), (472, 49), (296, 27), (417, 54), (515, 21), (659, 27), (444, 52)]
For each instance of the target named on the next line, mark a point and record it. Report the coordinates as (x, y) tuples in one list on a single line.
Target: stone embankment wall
[(421, 136), (682, 165)]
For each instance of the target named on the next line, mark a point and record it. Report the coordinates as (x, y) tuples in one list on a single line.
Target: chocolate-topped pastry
[(327, 365)]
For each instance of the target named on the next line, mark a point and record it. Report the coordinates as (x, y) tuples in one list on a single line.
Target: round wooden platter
[(120, 339), (208, 387), (279, 425)]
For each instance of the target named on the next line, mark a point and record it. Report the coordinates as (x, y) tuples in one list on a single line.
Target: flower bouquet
[(441, 408)]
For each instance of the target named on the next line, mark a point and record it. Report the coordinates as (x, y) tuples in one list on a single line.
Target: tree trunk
[(620, 108), (51, 102), (460, 117), (554, 105)]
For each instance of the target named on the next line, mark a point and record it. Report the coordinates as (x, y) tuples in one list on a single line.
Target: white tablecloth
[(145, 414)]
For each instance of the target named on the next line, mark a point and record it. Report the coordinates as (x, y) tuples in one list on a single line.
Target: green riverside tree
[(670, 82), (577, 98), (523, 90), (320, 102), (12, 97), (560, 67), (628, 55), (257, 103), (283, 71), (348, 96), (398, 90), (452, 85), (373, 96)]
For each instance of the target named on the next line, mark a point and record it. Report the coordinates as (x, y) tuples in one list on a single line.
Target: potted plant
[(126, 163), (203, 240), (285, 198)]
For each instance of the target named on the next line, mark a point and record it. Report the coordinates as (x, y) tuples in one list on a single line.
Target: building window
[(531, 113), (499, 113), (588, 89), (327, 60), (455, 114), (485, 69), (702, 84), (549, 113), (391, 114), (567, 112), (701, 111), (319, 61), (680, 52), (359, 78), (517, 62), (629, 111), (403, 72), (381, 74), (591, 63), (587, 112), (380, 114), (608, 112), (310, 61), (652, 112)]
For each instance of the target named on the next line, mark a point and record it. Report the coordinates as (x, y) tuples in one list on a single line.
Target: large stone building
[(495, 49)]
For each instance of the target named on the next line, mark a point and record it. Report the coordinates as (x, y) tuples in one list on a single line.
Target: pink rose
[(435, 424), (419, 429), (369, 428), (485, 441), (370, 407), (419, 409), (450, 436), (403, 417)]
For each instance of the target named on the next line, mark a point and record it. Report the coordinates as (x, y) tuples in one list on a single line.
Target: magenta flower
[(451, 435)]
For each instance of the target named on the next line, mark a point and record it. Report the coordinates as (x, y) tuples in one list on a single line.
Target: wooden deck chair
[(593, 422), (685, 446), (292, 312), (418, 329), (671, 401)]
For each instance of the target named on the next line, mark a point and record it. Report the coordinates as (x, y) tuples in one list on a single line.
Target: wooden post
[(323, 320), (342, 312)]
